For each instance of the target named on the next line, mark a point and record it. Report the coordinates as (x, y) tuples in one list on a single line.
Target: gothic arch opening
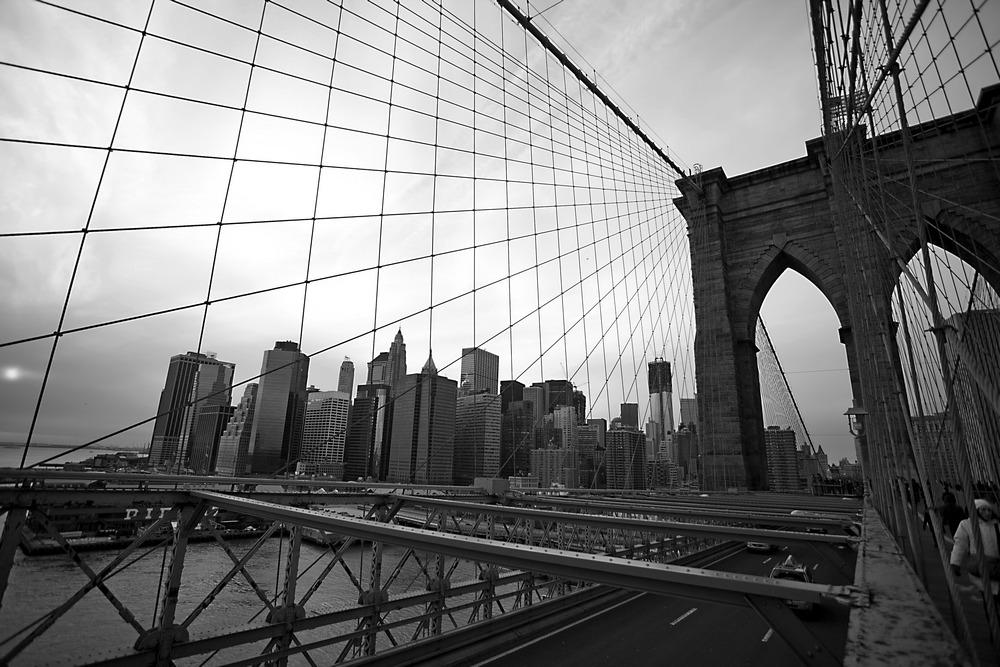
[(807, 379)]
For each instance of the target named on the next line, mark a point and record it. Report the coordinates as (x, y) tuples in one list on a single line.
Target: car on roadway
[(762, 547), (791, 570)]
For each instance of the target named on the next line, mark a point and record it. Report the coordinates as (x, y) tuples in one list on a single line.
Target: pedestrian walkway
[(970, 598)]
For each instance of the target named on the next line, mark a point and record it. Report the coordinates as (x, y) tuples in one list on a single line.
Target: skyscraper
[(510, 391), (625, 459), (480, 371), (345, 384), (661, 407), (423, 428), (397, 360), (477, 437), (234, 443), (782, 464), (517, 437), (279, 415), (689, 410), (630, 415), (324, 433), (212, 389), (363, 449), (208, 429), (182, 390)]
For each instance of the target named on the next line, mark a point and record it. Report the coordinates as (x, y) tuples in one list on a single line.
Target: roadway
[(654, 629)]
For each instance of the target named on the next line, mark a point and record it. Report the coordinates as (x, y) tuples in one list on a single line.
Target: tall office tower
[(212, 388), (565, 423), (209, 427), (360, 460), (510, 391), (172, 414), (689, 411), (279, 416), (423, 428), (480, 371), (625, 459), (477, 437), (587, 441), (782, 463), (324, 433), (517, 437), (234, 443), (661, 400), (557, 392), (378, 369), (345, 383), (580, 405), (630, 415), (364, 450), (555, 466), (397, 360), (600, 470), (687, 451), (535, 395)]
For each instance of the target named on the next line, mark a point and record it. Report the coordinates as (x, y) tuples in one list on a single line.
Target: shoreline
[(46, 445)]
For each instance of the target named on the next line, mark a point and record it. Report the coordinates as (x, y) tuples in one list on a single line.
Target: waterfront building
[(477, 437), (782, 462), (279, 416), (208, 429), (423, 428), (324, 433), (480, 371), (234, 443), (193, 380)]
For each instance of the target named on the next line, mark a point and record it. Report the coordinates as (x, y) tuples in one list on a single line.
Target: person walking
[(964, 554)]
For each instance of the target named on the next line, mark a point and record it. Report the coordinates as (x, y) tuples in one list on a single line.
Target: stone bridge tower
[(745, 231)]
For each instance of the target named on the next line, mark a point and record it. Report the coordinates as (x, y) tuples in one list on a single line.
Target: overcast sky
[(732, 85), (721, 83)]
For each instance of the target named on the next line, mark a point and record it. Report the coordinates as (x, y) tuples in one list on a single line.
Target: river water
[(93, 628)]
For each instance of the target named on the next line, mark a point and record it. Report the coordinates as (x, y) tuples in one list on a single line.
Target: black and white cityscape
[(402, 425)]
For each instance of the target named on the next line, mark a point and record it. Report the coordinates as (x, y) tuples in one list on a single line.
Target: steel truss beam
[(646, 525), (678, 581)]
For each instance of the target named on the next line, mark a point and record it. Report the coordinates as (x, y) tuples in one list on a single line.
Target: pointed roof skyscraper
[(429, 367)]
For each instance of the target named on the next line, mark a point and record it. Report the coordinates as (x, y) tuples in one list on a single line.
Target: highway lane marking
[(562, 628), (684, 615), (767, 635)]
